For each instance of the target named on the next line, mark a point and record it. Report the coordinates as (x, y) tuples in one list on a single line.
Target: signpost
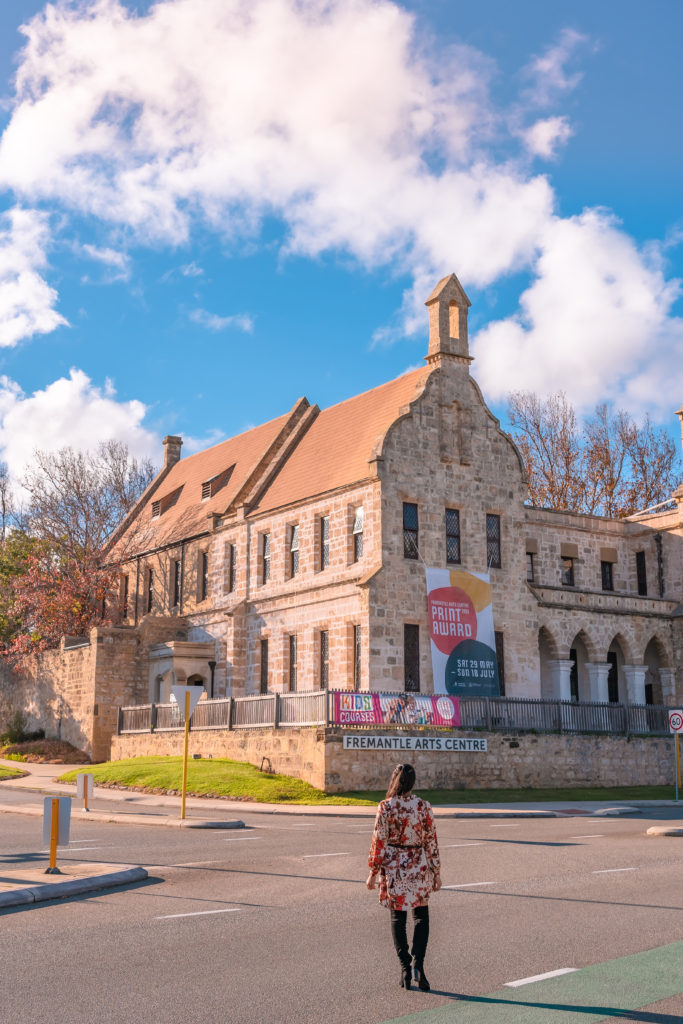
[(85, 787), (675, 726), (56, 821), (186, 696)]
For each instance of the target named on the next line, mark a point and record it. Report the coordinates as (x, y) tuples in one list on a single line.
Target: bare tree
[(76, 499), (8, 503), (606, 466)]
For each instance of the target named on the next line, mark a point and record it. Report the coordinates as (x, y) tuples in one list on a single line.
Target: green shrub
[(15, 731)]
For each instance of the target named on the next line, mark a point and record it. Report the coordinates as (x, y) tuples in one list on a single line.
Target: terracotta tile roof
[(335, 450), (183, 513)]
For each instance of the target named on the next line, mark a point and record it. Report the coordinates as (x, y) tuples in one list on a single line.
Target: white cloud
[(213, 322), (200, 110), (191, 270), (543, 137), (596, 322), (336, 117), (549, 75), (26, 300), (71, 411), (117, 262)]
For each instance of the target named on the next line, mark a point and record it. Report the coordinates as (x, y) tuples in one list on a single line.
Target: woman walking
[(405, 855)]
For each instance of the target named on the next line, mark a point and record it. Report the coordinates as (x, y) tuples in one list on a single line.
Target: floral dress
[(405, 851)]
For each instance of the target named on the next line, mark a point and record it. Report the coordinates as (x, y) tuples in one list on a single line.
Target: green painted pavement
[(598, 993)]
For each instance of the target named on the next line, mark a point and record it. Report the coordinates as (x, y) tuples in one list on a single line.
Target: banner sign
[(463, 642), (349, 708), (368, 741)]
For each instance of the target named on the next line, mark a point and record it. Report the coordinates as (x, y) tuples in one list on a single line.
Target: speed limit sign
[(676, 721)]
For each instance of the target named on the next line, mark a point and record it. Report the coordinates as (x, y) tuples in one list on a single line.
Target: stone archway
[(658, 688), (547, 651), (579, 655)]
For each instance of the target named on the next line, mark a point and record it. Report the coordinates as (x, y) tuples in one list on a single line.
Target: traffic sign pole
[(675, 726), (54, 838), (187, 733)]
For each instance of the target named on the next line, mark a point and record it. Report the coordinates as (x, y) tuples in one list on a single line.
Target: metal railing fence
[(315, 708)]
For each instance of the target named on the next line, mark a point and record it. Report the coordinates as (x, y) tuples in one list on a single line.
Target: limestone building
[(292, 556)]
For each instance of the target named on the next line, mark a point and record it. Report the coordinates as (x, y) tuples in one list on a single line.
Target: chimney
[(172, 446), (448, 306)]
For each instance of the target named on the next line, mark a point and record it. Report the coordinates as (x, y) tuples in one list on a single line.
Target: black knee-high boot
[(420, 940), (400, 937)]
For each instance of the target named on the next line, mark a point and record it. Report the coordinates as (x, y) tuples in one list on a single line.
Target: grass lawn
[(10, 773), (239, 781)]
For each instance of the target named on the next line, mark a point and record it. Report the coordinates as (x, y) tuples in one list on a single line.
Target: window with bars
[(357, 642), (264, 667), (358, 535), (324, 658), (265, 557), (411, 657), (452, 536), (205, 575), (149, 603), (294, 551), (607, 575), (574, 676), (641, 573), (567, 572), (530, 567), (293, 652), (493, 558), (410, 530), (156, 509), (324, 542), (177, 581), (500, 658), (232, 561), (206, 490)]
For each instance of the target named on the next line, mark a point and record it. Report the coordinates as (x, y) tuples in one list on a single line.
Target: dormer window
[(215, 483), (161, 505)]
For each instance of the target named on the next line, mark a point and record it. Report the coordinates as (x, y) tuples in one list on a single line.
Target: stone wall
[(297, 752), (521, 761)]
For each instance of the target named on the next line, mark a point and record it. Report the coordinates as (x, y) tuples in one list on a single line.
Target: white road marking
[(198, 913), (450, 846), (541, 977), (308, 856), (467, 885), (608, 871), (86, 849), (191, 864), (503, 826), (595, 835), (241, 839)]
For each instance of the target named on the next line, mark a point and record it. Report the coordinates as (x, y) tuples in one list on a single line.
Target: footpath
[(26, 796)]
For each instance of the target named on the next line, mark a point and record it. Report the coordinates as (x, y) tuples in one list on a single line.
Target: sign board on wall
[(349, 708), (463, 641), (370, 741)]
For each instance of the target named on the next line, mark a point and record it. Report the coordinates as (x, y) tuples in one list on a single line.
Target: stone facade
[(276, 560)]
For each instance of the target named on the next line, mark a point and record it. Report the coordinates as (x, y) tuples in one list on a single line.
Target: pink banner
[(395, 709)]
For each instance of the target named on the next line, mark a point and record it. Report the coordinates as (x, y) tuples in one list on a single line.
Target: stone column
[(667, 678), (560, 675), (635, 683), (598, 672)]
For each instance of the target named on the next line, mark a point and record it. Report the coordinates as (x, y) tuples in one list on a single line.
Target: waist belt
[(397, 846)]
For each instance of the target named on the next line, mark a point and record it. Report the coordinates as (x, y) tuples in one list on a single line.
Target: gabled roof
[(183, 513), (296, 456), (336, 448)]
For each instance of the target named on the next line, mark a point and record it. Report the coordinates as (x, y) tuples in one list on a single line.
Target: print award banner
[(461, 631)]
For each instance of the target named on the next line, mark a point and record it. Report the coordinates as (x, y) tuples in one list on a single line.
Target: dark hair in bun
[(402, 780)]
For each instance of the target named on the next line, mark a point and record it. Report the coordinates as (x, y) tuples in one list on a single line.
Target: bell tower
[(448, 305)]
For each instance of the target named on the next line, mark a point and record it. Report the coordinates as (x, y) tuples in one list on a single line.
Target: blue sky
[(212, 207)]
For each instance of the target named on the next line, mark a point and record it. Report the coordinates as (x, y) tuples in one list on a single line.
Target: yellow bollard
[(187, 732), (54, 838)]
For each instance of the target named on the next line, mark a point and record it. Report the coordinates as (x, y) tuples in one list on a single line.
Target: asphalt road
[(274, 924)]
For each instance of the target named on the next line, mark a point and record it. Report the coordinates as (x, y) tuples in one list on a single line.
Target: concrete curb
[(615, 812), (73, 887), (664, 830), (127, 819)]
